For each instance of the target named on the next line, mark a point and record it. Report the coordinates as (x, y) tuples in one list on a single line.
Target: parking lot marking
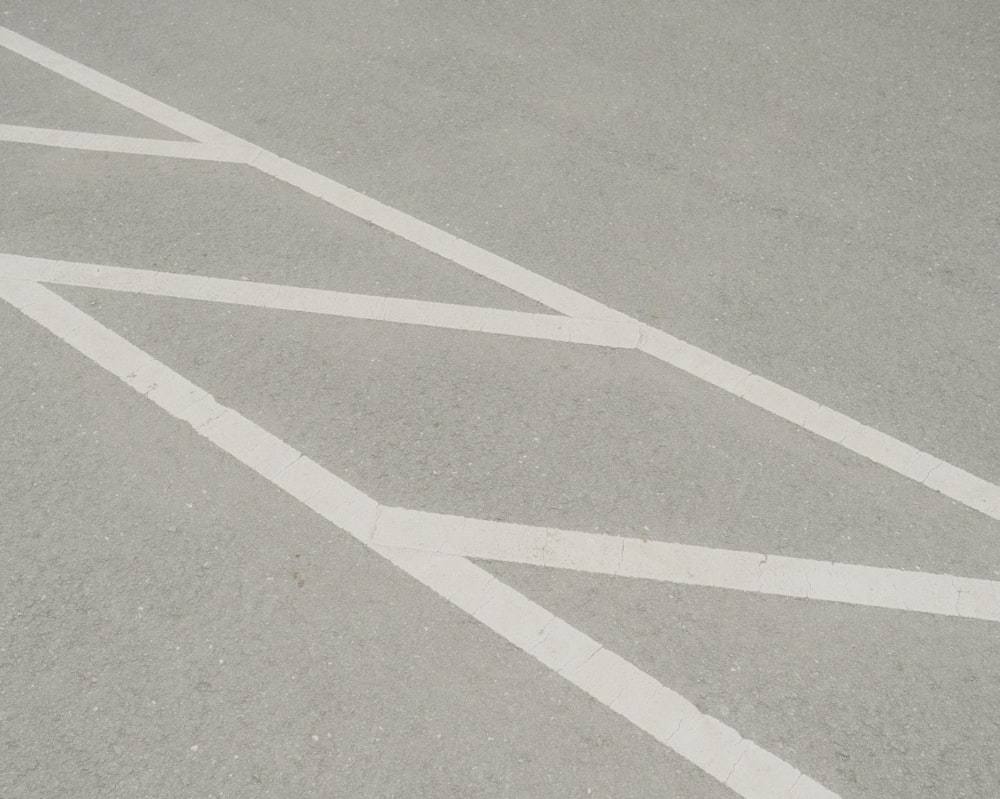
[(101, 84), (551, 327), (754, 572), (107, 143), (885, 450), (719, 750), (737, 762)]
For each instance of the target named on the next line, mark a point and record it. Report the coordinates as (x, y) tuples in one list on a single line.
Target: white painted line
[(166, 115), (778, 400), (965, 488), (20, 293), (320, 301), (89, 336), (754, 572), (690, 359), (708, 743), (953, 482), (716, 748), (883, 449), (460, 252), (102, 142), (877, 446)]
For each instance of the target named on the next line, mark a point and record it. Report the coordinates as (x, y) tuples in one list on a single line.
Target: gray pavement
[(177, 629), (218, 214), (899, 709), (549, 434), (808, 191), (812, 192), (32, 95)]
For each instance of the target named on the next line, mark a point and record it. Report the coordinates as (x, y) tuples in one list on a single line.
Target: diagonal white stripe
[(550, 327), (149, 107), (718, 749), (557, 297), (896, 589), (938, 475), (745, 571), (106, 143)]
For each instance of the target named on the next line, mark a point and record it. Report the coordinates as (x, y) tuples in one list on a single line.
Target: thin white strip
[(940, 594), (949, 480), (745, 571), (716, 748), (478, 260), (106, 143), (166, 115), (320, 301), (924, 468), (740, 764), (458, 251)]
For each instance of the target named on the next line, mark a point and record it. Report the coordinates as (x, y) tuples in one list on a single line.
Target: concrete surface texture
[(810, 192)]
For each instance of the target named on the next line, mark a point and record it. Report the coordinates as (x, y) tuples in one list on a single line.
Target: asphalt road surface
[(668, 469)]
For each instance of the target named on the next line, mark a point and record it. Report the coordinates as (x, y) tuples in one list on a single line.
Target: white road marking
[(166, 115), (744, 571), (872, 444), (755, 572), (718, 749), (936, 474), (551, 327), (106, 143), (482, 262)]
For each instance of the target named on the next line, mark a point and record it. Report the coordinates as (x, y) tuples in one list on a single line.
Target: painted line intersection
[(435, 549)]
